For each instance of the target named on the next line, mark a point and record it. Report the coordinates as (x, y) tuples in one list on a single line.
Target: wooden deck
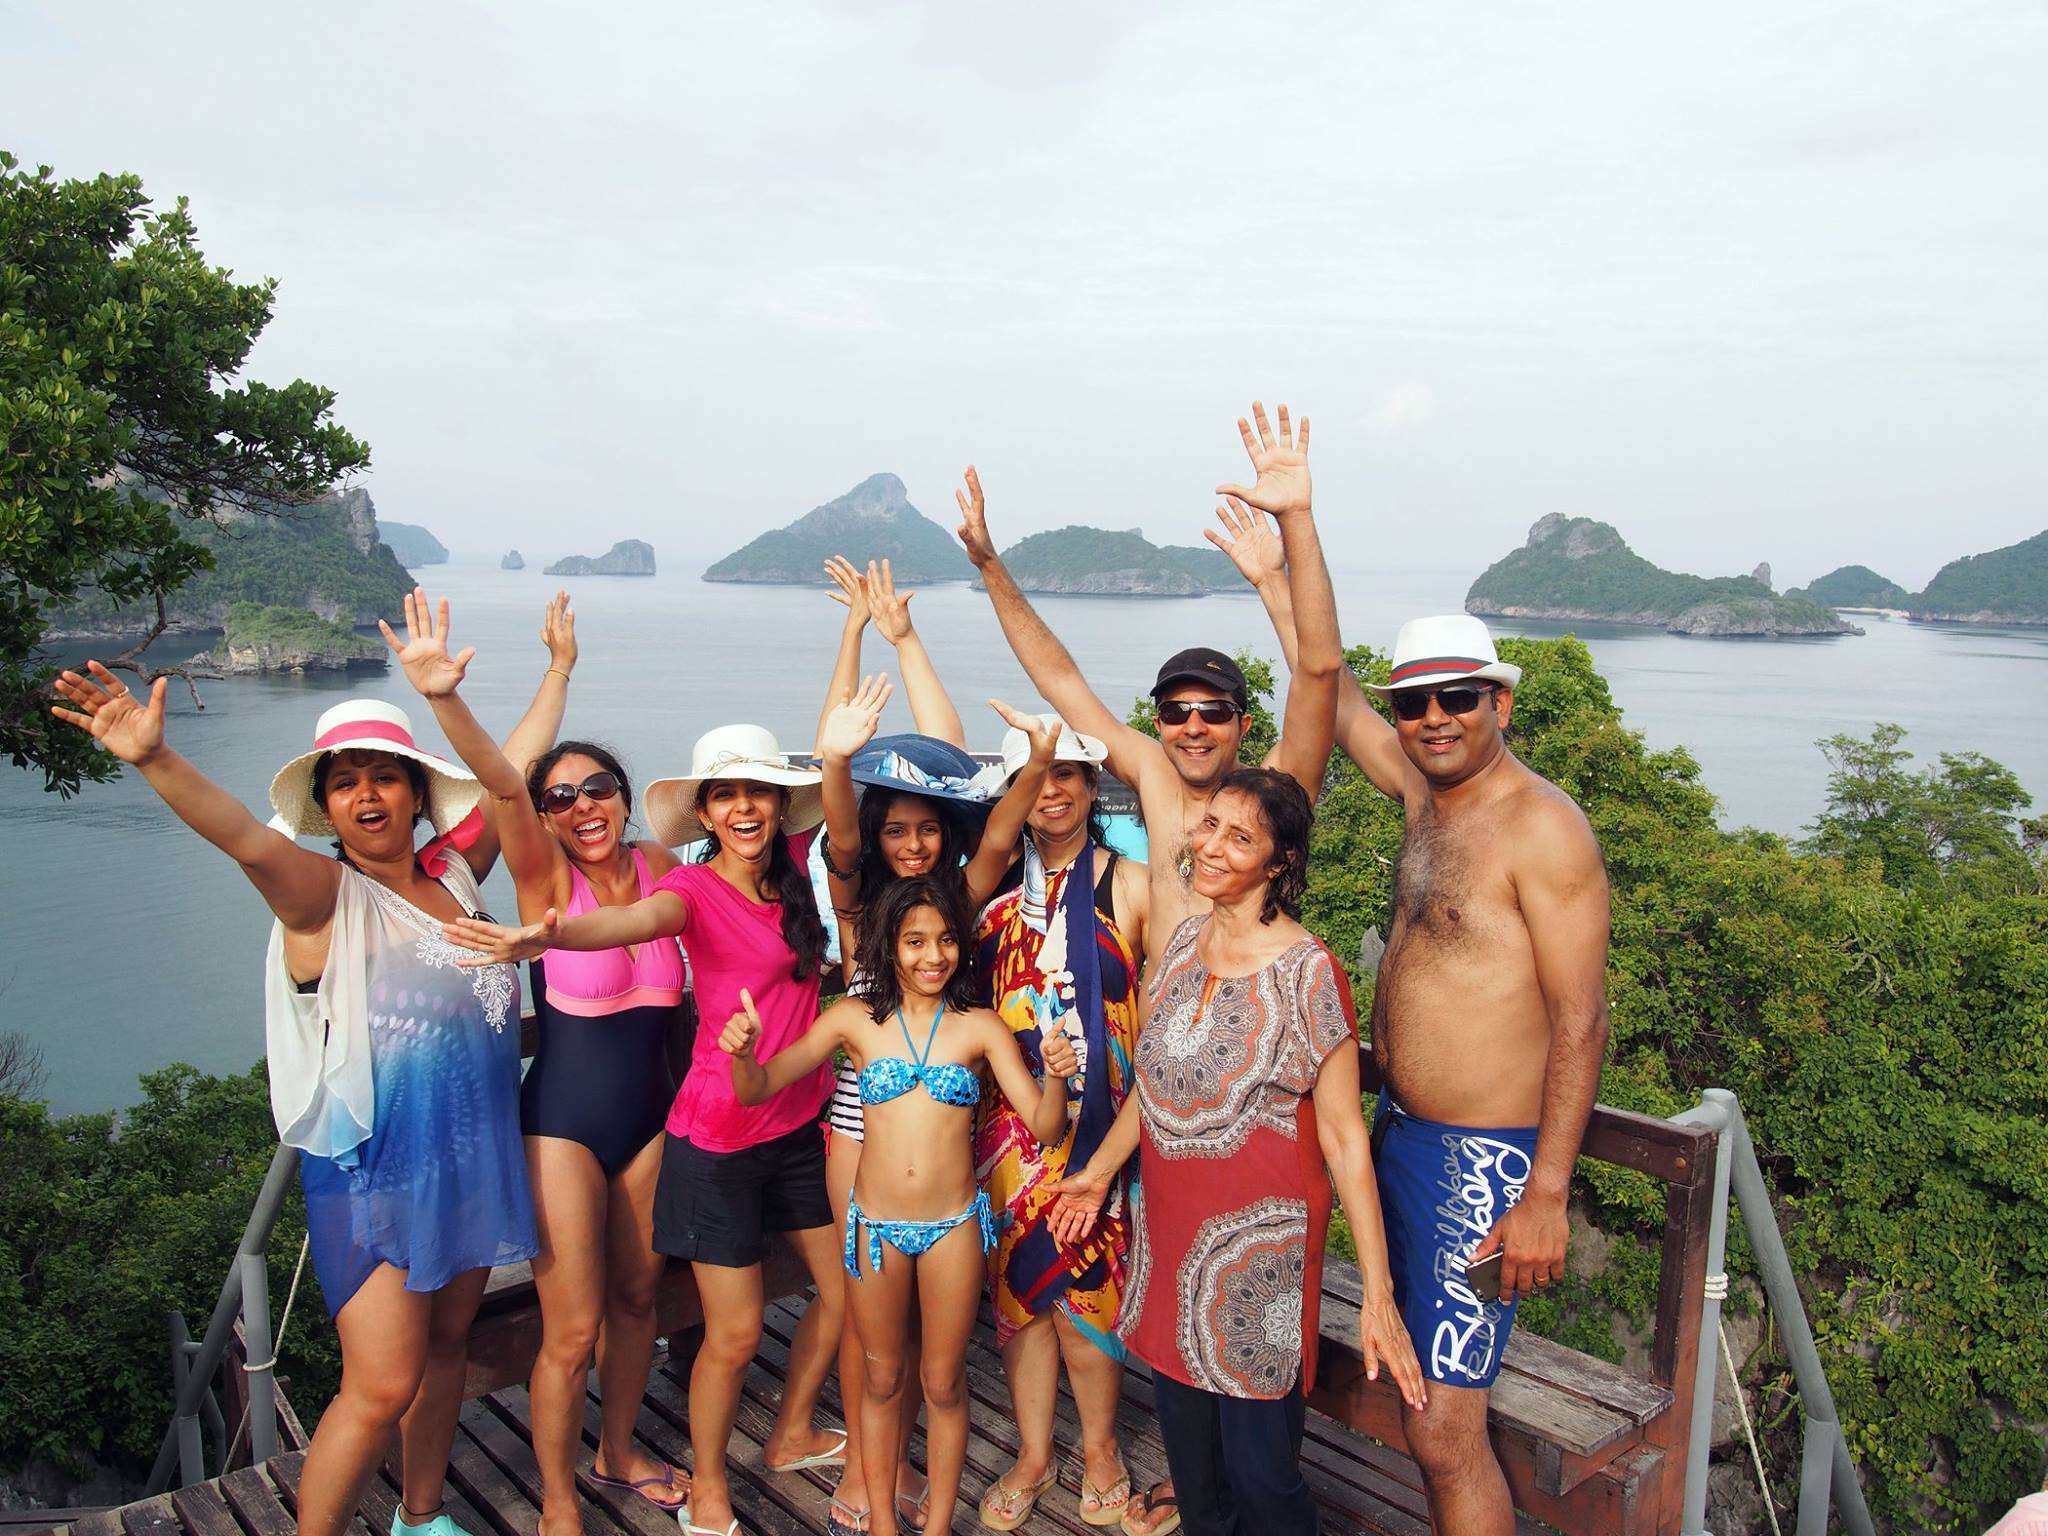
[(494, 1484)]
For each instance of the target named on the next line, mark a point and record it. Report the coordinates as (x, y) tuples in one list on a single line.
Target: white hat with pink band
[(454, 798)]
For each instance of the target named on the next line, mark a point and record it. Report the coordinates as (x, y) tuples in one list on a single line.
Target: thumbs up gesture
[(742, 1031)]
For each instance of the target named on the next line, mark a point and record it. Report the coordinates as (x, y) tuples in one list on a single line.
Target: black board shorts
[(718, 1207)]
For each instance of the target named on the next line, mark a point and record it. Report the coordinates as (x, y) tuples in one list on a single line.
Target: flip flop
[(1004, 1508), (683, 1519), (1148, 1501), (838, 1526), (1104, 1506), (667, 1480), (836, 1457), (920, 1512)]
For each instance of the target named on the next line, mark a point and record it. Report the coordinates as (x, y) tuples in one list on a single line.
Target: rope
[(1717, 1287), (284, 1321), (1742, 1406)]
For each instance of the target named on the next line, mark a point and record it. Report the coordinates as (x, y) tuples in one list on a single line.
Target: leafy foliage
[(1089, 560), (114, 338), (104, 1229), (1877, 998), (293, 629), (1856, 586)]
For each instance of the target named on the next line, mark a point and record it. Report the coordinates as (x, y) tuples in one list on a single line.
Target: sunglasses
[(1413, 703), (557, 798), (1214, 711)]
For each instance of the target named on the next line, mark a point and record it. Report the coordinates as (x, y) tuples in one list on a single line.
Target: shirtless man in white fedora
[(1489, 1017)]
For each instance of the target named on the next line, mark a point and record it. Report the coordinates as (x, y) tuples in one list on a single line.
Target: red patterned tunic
[(1233, 1198)]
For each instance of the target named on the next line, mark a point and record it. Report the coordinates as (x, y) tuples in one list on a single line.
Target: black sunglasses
[(1462, 699), (1214, 711), (557, 798)]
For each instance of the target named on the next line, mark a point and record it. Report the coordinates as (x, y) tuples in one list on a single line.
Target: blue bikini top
[(892, 1076)]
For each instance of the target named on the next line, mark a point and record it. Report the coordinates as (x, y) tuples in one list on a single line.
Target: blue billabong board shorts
[(1442, 1188)]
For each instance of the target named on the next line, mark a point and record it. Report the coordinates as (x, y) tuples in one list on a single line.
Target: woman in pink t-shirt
[(732, 1173)]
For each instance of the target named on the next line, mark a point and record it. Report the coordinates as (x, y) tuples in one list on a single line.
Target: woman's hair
[(596, 751), (785, 882), (1098, 827), (878, 985), (415, 774), (1283, 806), (872, 868)]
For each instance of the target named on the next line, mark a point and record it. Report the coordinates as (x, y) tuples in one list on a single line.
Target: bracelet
[(556, 672), (825, 857)]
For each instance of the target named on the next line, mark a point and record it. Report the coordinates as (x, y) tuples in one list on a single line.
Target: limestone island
[(628, 557), (413, 544), (2002, 586), (324, 557), (1574, 569), (1856, 586), (873, 521), (1101, 562), (512, 561), (258, 638)]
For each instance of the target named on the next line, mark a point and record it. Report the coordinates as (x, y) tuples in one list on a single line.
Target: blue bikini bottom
[(910, 1238)]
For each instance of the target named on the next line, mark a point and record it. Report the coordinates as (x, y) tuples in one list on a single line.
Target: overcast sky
[(1750, 281)]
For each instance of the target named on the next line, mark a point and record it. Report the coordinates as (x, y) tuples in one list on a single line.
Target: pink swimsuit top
[(591, 983)]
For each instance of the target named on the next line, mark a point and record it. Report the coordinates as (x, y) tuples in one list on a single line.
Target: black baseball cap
[(1199, 664)]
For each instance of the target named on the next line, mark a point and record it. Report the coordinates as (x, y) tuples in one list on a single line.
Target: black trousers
[(1236, 1461)]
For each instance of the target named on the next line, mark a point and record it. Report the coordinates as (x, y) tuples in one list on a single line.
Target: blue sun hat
[(920, 765)]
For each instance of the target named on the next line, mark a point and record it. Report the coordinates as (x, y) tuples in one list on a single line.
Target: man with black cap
[(1489, 1017), (1200, 693)]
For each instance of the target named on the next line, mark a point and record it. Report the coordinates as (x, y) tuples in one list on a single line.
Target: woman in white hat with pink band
[(398, 1082)]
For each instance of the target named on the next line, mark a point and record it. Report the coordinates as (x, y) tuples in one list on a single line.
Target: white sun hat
[(1072, 747), (732, 752), (1446, 648), (367, 725)]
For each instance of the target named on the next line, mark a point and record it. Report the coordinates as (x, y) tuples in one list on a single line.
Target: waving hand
[(851, 724), (1280, 460), (424, 654), (116, 719), (1253, 544)]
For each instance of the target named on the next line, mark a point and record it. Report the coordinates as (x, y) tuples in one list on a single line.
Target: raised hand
[(557, 633), (1079, 1202), (1252, 543), (973, 529), (1058, 1054), (1281, 462), (497, 944), (130, 729), (891, 612), (1044, 733), (1383, 1340), (851, 588), (424, 653), (742, 1031), (851, 723)]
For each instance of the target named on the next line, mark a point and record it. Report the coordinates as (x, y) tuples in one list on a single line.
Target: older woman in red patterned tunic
[(1247, 1086)]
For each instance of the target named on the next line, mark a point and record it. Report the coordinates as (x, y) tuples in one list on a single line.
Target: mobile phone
[(1483, 1278)]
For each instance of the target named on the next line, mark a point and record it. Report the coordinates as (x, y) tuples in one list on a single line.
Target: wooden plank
[(285, 1471), (152, 1517), (667, 1431), (627, 1509), (203, 1511), (106, 1522), (250, 1495), (1677, 1154), (1583, 1376), (514, 1455)]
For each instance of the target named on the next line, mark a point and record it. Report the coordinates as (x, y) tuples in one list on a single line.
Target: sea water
[(128, 944)]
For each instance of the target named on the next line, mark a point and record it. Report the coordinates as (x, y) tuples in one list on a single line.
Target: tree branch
[(129, 660)]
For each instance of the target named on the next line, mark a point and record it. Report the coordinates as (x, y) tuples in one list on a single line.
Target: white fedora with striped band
[(1446, 648)]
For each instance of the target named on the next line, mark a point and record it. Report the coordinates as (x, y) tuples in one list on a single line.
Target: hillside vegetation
[(1576, 568), (1854, 586), (413, 544), (1101, 562), (2002, 586)]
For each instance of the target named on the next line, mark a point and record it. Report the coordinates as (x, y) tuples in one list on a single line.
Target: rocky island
[(628, 557), (1574, 568), (413, 544), (259, 639), (324, 558), (512, 561), (873, 521), (1101, 562), (2002, 586), (1208, 565), (1855, 586)]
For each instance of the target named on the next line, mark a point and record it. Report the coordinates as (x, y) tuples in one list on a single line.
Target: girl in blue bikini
[(914, 1033)]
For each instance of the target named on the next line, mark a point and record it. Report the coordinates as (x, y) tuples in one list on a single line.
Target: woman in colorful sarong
[(1247, 1089), (1058, 950)]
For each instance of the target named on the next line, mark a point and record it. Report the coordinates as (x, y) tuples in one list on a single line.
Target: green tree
[(119, 420)]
